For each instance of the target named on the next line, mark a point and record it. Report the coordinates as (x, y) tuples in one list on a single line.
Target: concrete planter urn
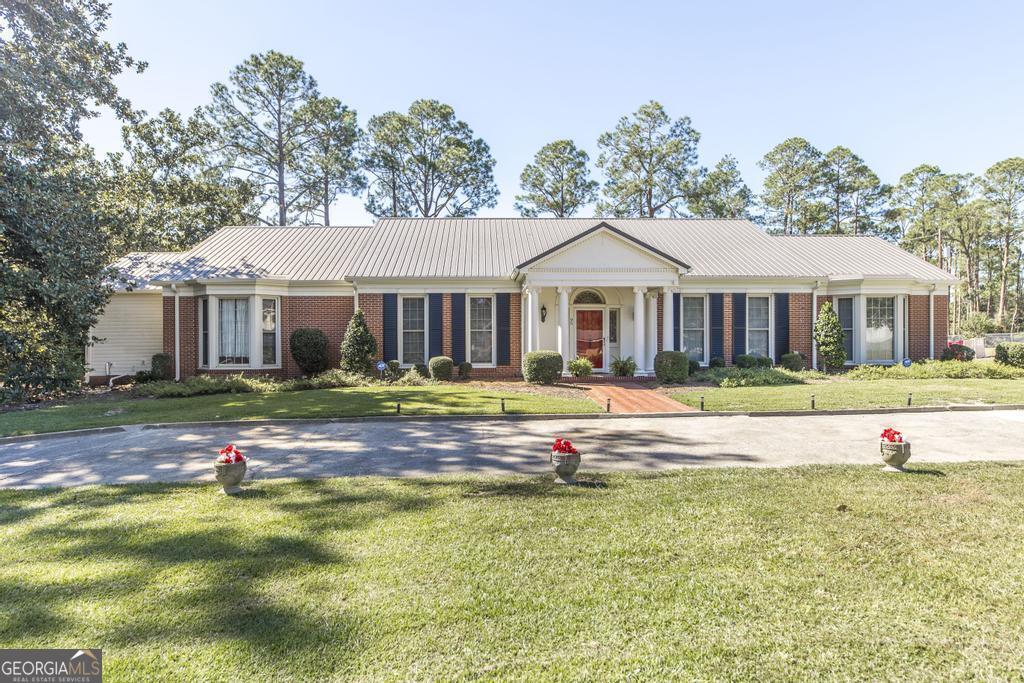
[(565, 460), (230, 469), (895, 450)]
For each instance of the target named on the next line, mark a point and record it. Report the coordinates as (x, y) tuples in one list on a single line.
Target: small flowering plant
[(890, 435), (564, 446), (229, 454)]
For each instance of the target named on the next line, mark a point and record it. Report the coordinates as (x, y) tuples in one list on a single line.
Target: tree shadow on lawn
[(269, 591)]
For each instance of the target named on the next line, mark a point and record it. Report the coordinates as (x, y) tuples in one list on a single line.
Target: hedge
[(1010, 353), (671, 367), (542, 367)]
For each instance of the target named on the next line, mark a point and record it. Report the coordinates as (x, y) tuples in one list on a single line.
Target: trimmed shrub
[(542, 367), (958, 352), (745, 360), (793, 361), (441, 368), (162, 366), (465, 369), (422, 369), (624, 367), (309, 349), (1010, 353), (358, 348), (763, 361), (829, 336), (581, 367), (717, 362), (671, 367)]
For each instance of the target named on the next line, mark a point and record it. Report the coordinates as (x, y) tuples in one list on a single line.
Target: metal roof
[(491, 248), (136, 270)]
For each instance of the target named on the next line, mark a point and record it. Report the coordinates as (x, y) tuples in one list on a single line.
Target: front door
[(590, 336)]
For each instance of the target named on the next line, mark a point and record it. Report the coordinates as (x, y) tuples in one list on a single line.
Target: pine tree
[(358, 348), (829, 336)]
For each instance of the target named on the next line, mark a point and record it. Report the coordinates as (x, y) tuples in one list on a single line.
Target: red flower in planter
[(563, 446), (229, 454), (891, 435)]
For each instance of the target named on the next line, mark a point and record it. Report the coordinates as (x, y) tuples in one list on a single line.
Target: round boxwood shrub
[(581, 367), (763, 361), (465, 369), (671, 367), (958, 352), (745, 360), (441, 368), (717, 362), (1010, 353), (542, 367), (162, 366), (793, 361), (694, 367), (309, 349)]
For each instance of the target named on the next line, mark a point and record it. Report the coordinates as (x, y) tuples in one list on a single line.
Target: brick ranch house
[(486, 290)]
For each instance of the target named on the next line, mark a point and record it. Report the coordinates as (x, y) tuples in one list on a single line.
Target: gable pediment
[(603, 249)]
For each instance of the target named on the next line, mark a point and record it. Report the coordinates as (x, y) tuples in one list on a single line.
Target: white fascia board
[(427, 286), (265, 286), (746, 285)]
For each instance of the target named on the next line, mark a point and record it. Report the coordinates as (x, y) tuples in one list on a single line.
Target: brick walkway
[(631, 397)]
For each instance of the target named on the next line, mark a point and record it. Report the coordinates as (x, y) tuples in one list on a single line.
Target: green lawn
[(857, 394), (743, 574), (349, 402)]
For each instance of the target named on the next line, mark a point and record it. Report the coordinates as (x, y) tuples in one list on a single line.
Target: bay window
[(844, 309), (481, 330), (234, 331), (414, 330), (758, 324), (691, 309), (880, 335)]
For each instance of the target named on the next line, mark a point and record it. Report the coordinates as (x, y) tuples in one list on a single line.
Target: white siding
[(132, 331)]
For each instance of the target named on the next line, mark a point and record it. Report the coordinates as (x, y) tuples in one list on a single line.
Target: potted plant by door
[(895, 450), (565, 460), (230, 469)]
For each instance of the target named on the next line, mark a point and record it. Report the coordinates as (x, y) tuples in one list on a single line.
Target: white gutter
[(177, 333)]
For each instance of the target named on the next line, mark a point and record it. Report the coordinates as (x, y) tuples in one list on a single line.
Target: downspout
[(177, 333), (814, 321)]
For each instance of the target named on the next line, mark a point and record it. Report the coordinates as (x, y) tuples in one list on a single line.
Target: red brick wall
[(801, 326), (372, 306), (918, 334), (188, 331), (446, 325), (941, 323), (727, 327), (328, 313)]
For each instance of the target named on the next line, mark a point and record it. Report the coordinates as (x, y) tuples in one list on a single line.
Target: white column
[(564, 342), (639, 344), (652, 329), (931, 325), (668, 340), (534, 293)]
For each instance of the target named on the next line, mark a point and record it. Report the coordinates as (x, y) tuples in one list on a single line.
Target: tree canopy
[(557, 182)]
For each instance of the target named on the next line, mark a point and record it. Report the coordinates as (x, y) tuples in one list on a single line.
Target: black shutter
[(436, 325), (781, 326), (739, 325), (390, 346), (717, 305), (676, 323), (459, 328), (502, 308)]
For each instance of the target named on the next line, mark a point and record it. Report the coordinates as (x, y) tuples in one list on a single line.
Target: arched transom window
[(588, 296)]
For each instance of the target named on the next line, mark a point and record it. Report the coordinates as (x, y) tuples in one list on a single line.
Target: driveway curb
[(213, 424)]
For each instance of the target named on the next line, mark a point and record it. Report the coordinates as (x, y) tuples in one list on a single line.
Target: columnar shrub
[(542, 367), (581, 367), (793, 361), (309, 349), (672, 367), (828, 335), (162, 366), (1010, 353), (441, 368), (358, 348)]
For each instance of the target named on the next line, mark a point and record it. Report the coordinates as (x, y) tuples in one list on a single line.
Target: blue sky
[(898, 83)]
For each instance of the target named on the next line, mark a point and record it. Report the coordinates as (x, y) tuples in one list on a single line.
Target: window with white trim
[(880, 335), (844, 309), (269, 331), (233, 331), (691, 308), (414, 330), (204, 332), (758, 324), (481, 330)]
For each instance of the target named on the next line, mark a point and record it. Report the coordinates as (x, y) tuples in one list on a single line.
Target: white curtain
[(234, 330)]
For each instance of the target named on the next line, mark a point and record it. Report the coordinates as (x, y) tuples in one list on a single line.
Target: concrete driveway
[(431, 447)]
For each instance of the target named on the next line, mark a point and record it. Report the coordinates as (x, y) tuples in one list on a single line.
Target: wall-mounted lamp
[(543, 313)]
